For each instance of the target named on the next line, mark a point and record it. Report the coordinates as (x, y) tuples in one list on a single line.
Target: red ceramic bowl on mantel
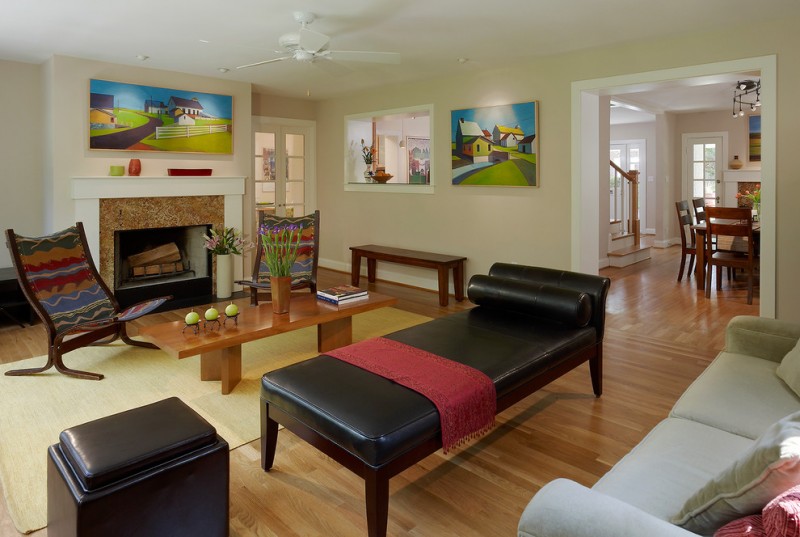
[(188, 171)]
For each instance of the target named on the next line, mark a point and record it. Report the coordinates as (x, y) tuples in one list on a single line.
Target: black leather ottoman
[(156, 470)]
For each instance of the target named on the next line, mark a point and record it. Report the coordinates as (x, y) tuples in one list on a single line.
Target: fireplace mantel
[(88, 191)]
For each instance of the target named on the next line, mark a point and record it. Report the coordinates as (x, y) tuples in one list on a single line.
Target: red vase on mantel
[(135, 167)]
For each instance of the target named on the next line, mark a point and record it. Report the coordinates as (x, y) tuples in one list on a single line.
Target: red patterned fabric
[(782, 515), (465, 397), (749, 526)]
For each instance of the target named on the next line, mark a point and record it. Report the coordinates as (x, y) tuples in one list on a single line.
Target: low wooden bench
[(442, 263)]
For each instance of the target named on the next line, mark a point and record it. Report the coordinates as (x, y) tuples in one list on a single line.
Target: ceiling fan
[(308, 46)]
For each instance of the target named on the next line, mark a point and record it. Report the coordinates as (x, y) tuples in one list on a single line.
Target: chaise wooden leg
[(596, 372), (269, 438), (376, 487)]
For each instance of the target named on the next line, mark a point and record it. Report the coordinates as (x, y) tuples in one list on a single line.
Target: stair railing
[(625, 200)]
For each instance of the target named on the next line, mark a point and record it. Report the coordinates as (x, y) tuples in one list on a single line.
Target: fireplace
[(110, 206), (154, 262)]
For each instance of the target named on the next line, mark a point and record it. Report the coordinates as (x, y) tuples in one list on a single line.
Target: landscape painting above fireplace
[(129, 117)]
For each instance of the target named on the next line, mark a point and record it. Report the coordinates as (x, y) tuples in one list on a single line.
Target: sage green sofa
[(714, 424)]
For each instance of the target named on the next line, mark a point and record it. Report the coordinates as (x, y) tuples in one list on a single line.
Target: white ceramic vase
[(224, 275)]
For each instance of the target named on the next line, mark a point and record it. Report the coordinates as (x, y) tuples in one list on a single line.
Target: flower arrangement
[(281, 244), (367, 153), (228, 241), (754, 197)]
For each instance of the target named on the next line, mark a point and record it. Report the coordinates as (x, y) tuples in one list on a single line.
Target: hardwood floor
[(660, 335)]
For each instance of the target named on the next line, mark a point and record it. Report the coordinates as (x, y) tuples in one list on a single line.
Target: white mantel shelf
[(155, 187)]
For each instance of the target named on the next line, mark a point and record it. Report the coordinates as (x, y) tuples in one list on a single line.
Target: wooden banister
[(632, 177)]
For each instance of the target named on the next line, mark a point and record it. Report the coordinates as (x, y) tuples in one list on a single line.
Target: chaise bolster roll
[(559, 304)]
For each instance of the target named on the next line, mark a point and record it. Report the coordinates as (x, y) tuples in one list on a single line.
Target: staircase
[(624, 251), (624, 245)]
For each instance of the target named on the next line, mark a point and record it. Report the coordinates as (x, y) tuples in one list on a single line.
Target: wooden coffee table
[(221, 350)]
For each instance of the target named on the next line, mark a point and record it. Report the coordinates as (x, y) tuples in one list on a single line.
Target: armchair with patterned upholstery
[(304, 270), (59, 279)]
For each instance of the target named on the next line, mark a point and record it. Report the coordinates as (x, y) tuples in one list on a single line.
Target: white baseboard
[(603, 263)]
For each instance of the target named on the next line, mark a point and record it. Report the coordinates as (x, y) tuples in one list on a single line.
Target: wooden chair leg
[(31, 370), (58, 361), (123, 334), (691, 264), (376, 493), (269, 438), (680, 270)]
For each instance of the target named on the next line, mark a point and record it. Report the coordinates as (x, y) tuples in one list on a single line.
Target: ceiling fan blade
[(264, 62), (312, 41), (364, 56)]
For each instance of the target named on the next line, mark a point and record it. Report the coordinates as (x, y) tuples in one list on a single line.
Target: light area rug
[(37, 408)]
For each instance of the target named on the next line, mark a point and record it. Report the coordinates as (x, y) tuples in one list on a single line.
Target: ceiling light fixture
[(746, 93), (142, 57), (223, 69)]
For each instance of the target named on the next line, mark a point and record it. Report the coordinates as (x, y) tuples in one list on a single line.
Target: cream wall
[(67, 97), (20, 151), (533, 225)]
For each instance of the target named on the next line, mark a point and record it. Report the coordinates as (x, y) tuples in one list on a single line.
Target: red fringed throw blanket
[(465, 397)]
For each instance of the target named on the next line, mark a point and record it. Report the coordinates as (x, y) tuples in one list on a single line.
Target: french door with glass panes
[(283, 173), (704, 166)]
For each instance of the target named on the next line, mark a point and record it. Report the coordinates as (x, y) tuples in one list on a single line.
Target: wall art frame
[(496, 145), (754, 138), (131, 117), (419, 160)]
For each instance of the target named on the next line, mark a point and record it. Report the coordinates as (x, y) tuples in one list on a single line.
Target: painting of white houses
[(130, 117), (495, 145), (507, 136)]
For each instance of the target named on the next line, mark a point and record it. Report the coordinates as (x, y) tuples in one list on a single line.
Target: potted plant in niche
[(281, 244), (368, 154), (224, 245)]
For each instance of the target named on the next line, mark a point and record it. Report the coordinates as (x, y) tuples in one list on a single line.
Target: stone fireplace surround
[(109, 204)]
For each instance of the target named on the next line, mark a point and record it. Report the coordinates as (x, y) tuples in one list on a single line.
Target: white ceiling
[(430, 35)]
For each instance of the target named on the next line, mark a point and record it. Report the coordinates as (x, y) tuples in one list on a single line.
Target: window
[(400, 144)]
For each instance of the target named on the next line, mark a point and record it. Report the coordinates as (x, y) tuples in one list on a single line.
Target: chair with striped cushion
[(61, 283), (304, 270)]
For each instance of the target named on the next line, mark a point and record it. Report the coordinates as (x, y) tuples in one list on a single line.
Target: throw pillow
[(789, 369), (749, 526), (770, 466), (781, 516)]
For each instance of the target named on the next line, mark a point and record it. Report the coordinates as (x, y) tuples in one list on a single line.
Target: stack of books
[(342, 294)]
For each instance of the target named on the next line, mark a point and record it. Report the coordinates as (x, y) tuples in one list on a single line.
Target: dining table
[(700, 234)]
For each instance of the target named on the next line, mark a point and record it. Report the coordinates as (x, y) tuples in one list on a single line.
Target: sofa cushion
[(764, 470), (665, 469), (737, 393), (781, 516), (789, 369), (749, 526)]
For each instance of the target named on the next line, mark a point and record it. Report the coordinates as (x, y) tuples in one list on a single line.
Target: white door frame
[(586, 152)]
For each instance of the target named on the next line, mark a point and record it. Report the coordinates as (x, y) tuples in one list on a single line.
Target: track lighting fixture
[(746, 93)]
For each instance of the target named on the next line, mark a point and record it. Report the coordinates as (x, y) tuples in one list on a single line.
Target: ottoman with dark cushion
[(156, 470)]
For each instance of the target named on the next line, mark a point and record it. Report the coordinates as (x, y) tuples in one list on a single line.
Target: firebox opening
[(162, 261)]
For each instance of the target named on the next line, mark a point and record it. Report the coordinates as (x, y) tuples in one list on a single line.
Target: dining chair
[(734, 224), (688, 241), (59, 279), (304, 270)]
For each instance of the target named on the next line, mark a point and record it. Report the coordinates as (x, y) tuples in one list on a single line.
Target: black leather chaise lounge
[(531, 325)]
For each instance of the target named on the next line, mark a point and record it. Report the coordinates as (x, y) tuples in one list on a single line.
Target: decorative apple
[(192, 318), (231, 310), (212, 314)]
